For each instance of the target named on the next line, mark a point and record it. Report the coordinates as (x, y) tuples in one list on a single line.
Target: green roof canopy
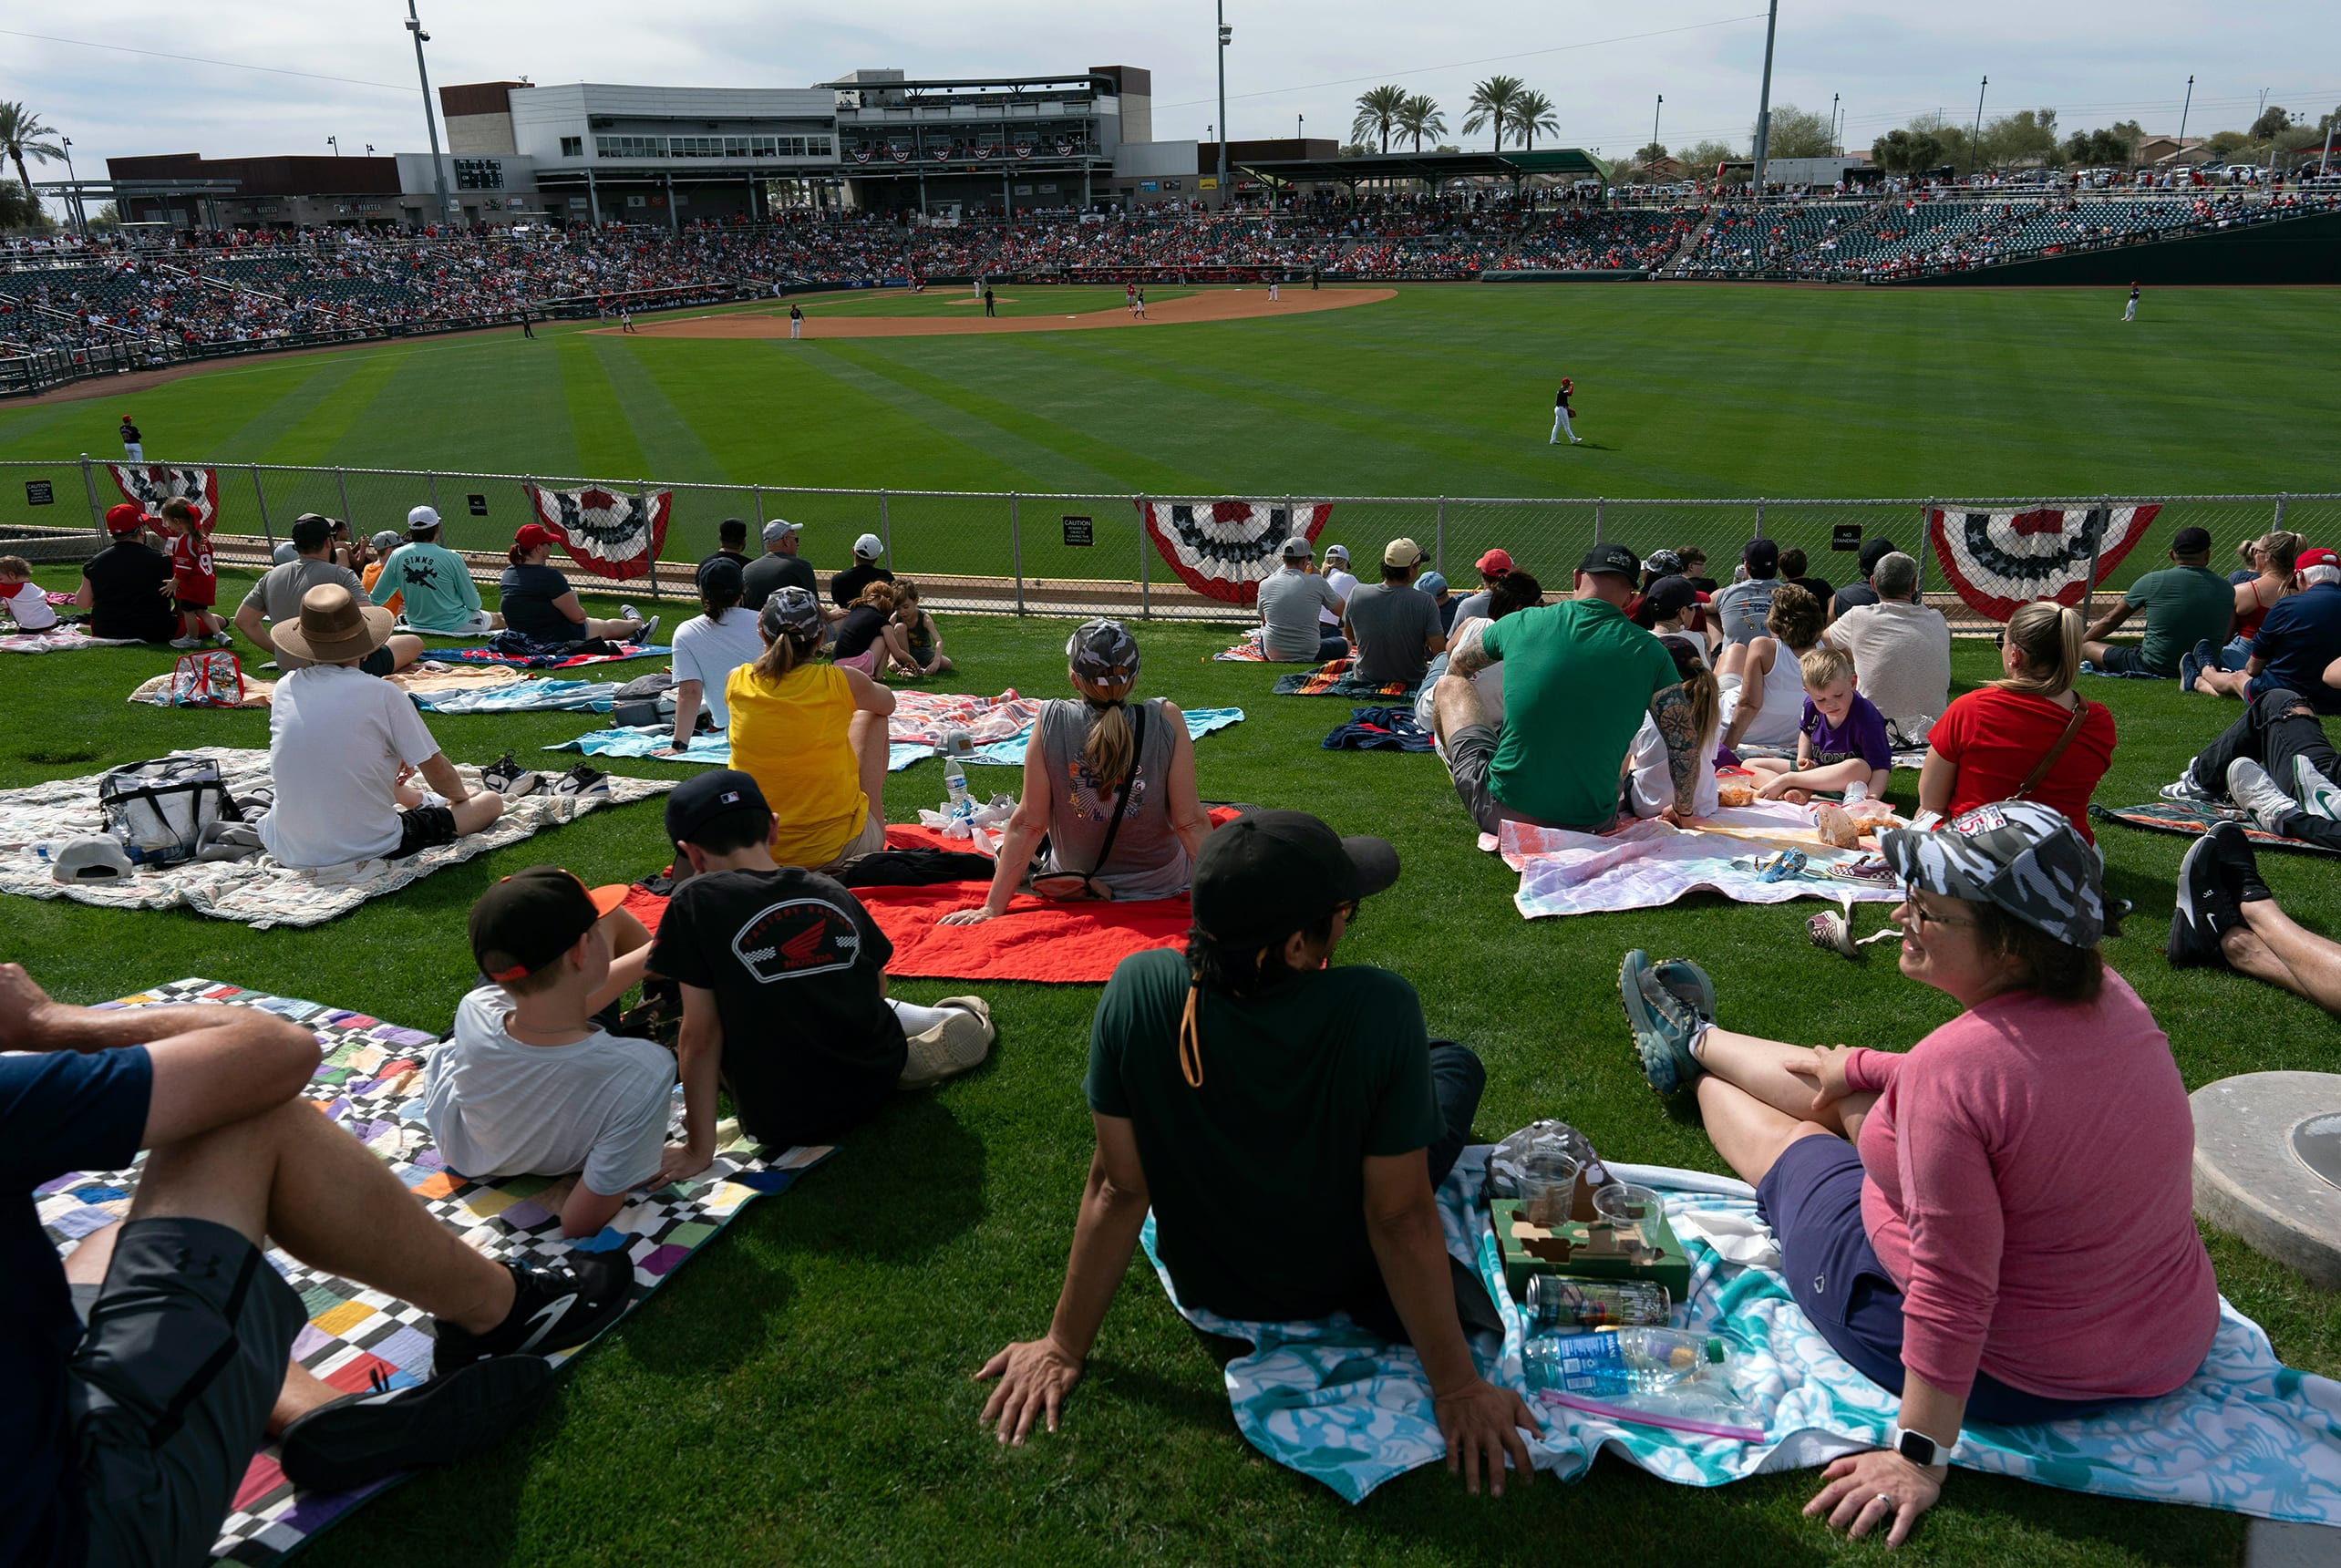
[(1433, 166)]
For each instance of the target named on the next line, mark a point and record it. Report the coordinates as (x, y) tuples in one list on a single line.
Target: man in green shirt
[(2185, 603), (1578, 678), (1288, 1123), (440, 597)]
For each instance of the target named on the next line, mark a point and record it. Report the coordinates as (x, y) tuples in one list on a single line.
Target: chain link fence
[(1033, 554)]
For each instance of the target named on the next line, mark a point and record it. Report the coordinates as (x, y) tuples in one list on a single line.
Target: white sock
[(1699, 1041), (918, 1020)]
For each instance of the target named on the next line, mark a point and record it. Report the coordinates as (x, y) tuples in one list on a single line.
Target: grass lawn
[(800, 1392)]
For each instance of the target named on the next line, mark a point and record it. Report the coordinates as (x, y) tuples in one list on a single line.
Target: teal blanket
[(2248, 1434), (523, 697), (648, 740)]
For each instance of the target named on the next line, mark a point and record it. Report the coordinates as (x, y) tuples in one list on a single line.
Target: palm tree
[(1419, 117), (1493, 103), (1378, 114), (21, 136), (1531, 113)]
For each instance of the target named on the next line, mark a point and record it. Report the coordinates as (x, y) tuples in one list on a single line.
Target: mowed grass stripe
[(505, 387), (670, 441), (600, 430), (313, 437)]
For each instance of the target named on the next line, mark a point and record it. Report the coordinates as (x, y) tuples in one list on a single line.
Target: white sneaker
[(2318, 795), (628, 612), (2184, 788), (185, 642), (2249, 786)]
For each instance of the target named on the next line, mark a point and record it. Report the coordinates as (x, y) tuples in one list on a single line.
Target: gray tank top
[(1148, 861)]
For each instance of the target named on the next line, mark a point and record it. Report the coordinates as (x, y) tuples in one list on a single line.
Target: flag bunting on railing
[(611, 533), (2001, 561), (151, 484), (1223, 548)]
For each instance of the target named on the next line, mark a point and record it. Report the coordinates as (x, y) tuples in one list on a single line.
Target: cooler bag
[(159, 809)]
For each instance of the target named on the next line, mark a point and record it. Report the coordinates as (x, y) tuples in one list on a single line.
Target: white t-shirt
[(498, 1107), (1901, 656), (337, 738), (1343, 584), (1654, 784), (29, 605), (708, 651)]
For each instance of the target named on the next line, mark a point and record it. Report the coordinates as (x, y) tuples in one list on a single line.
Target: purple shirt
[(1863, 735)]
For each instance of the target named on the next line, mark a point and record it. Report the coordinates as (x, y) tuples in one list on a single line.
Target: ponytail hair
[(2279, 552), (1109, 751), (715, 599), (1705, 694), (2047, 637), (516, 555), (784, 648)]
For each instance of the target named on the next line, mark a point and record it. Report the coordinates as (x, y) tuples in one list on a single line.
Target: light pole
[(334, 142), (1833, 101), (1225, 33), (1657, 109), (431, 119), (73, 191), (1976, 139), (1300, 132), (1764, 105), (2183, 116)]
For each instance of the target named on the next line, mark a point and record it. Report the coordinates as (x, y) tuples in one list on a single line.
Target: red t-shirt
[(193, 575), (1997, 736)]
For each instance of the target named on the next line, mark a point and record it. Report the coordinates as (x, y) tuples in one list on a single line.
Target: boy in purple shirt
[(1841, 741)]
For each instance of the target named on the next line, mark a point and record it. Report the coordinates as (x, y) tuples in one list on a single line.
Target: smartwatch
[(1921, 1450)]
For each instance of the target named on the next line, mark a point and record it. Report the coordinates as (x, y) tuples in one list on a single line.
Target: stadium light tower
[(1657, 109), (1764, 107), (1975, 138), (431, 120), (335, 142), (1225, 33), (2183, 109)]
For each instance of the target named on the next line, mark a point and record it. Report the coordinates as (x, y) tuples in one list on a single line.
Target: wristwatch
[(1921, 1450)]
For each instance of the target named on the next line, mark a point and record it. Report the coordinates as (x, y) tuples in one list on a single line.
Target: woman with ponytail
[(1649, 785), (2028, 737), (1108, 788), (813, 737), (708, 646)]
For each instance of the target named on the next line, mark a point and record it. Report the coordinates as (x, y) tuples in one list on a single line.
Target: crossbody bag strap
[(1121, 796), (2048, 759)]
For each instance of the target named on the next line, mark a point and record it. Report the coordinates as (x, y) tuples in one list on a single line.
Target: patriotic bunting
[(610, 533), (2000, 561), (1223, 548), (151, 484)]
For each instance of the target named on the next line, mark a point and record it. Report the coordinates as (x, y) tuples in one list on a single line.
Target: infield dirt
[(1213, 304)]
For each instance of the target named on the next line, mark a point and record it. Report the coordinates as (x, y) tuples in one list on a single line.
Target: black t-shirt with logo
[(770, 572), (125, 594), (798, 968)]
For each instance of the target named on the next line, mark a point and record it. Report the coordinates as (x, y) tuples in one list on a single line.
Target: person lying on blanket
[(1964, 1222), (345, 749), (1086, 761), (1286, 1123), (1990, 741), (2275, 762), (784, 988), (1579, 677), (538, 601), (140, 1373), (529, 1082), (2227, 917), (813, 737), (1840, 739), (277, 596)]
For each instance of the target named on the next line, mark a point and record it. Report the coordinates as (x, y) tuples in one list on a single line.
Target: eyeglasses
[(1920, 916), (1350, 911)]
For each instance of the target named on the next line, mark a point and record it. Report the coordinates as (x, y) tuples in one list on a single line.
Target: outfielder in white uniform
[(1272, 289), (1560, 415), (2130, 311)]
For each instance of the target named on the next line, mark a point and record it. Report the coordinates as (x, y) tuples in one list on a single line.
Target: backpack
[(159, 810), (213, 679)]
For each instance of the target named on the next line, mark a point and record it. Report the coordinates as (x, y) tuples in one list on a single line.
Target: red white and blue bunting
[(2001, 561), (1225, 548), (611, 533)]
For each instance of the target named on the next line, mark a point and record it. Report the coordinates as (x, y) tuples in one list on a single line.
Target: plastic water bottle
[(958, 806), (1621, 1361)]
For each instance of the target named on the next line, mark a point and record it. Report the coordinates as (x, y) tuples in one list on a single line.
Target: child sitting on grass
[(1649, 785), (527, 1083), (921, 641), (1840, 740), (23, 598)]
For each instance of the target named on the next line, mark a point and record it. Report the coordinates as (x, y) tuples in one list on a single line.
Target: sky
[(2095, 61)]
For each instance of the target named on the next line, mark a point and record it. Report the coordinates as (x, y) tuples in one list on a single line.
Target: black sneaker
[(649, 630), (2239, 868), (445, 1421), (510, 779), (2205, 909), (582, 781), (555, 1306)]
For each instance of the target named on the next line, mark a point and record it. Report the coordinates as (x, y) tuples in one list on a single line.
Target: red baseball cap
[(1495, 560), (128, 517), (2309, 558), (532, 534)]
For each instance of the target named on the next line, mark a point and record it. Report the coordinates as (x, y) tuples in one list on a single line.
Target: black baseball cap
[(1762, 556), (1874, 551), (1268, 874), (723, 574), (706, 798), (532, 917), (1611, 558), (1669, 597), (2190, 541)]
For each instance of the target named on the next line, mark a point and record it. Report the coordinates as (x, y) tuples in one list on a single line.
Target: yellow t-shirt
[(789, 736)]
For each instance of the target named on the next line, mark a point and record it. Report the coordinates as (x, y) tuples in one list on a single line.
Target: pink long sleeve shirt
[(2027, 1184)]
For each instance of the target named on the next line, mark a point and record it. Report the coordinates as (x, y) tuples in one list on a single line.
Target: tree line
[(1513, 114)]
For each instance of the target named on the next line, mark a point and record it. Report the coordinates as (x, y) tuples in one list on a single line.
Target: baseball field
[(800, 1392)]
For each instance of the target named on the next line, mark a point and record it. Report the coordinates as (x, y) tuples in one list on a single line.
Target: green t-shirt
[(1578, 677), (2184, 605), (439, 593), (1258, 1177)]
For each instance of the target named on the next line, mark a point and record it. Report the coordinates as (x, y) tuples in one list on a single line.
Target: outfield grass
[(800, 1392)]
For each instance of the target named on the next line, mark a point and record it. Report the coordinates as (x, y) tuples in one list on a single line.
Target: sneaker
[(510, 779), (2249, 786), (649, 630), (2318, 794), (1663, 1025), (185, 644), (2239, 868), (1831, 931), (2191, 664), (222, 639), (2205, 908), (628, 612), (581, 782), (555, 1306), (445, 1421), (2187, 790), (1688, 984)]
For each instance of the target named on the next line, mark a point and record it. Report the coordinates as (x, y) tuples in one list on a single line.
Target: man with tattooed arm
[(1578, 677)]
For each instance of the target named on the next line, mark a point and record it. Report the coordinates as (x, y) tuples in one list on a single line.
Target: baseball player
[(625, 318), (1142, 304), (796, 321), (1560, 414), (133, 446), (1271, 288), (2130, 311)]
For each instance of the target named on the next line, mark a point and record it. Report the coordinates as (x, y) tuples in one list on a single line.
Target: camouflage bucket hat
[(790, 613), (1104, 652), (2018, 855)]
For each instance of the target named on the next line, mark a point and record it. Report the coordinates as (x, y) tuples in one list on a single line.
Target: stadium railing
[(1023, 553)]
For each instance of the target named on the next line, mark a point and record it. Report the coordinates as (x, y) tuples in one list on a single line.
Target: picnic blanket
[(2247, 1434), (710, 747), (258, 892), (552, 661), (371, 1082), (1247, 651), (2192, 819), (423, 681), (1650, 864), (61, 640), (1379, 729), (1333, 679), (713, 747), (523, 697)]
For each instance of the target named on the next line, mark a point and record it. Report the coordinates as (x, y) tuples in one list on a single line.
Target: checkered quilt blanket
[(258, 892), (370, 1083)]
